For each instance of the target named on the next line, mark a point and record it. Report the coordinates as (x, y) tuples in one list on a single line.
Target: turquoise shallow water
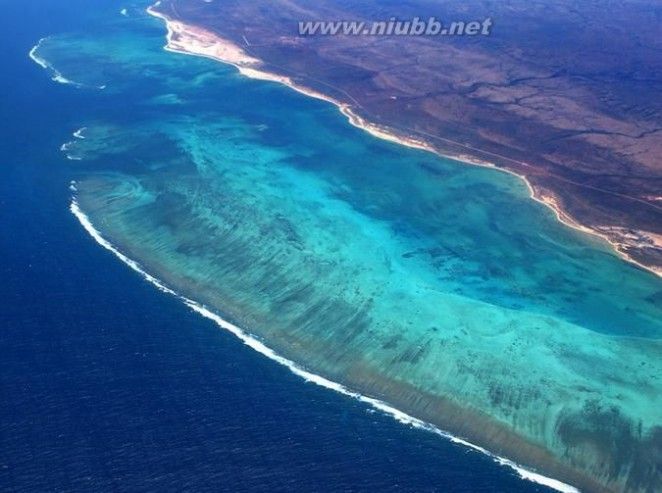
[(436, 286)]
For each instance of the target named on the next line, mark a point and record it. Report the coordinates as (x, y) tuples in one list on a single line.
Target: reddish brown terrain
[(566, 93)]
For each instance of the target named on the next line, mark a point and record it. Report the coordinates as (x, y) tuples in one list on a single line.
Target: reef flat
[(439, 288)]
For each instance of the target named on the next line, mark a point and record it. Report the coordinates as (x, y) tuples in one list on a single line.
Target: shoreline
[(191, 40), (257, 345)]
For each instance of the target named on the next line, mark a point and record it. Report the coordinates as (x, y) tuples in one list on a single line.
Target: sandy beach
[(192, 40)]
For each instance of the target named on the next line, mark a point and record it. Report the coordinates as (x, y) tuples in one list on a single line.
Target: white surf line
[(38, 60), (65, 149), (257, 345), (56, 75), (78, 134)]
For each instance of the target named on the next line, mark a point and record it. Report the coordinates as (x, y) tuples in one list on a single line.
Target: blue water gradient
[(109, 385)]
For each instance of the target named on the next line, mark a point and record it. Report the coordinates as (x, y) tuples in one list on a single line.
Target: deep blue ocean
[(107, 384)]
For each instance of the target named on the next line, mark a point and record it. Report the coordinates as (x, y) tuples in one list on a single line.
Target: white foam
[(124, 12), (37, 59), (66, 147), (85, 222), (56, 75), (254, 343)]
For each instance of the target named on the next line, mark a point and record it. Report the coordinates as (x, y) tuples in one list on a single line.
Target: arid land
[(568, 96)]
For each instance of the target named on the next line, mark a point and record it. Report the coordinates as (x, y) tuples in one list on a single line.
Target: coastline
[(227, 323), (257, 345), (288, 359), (191, 40), (377, 131)]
